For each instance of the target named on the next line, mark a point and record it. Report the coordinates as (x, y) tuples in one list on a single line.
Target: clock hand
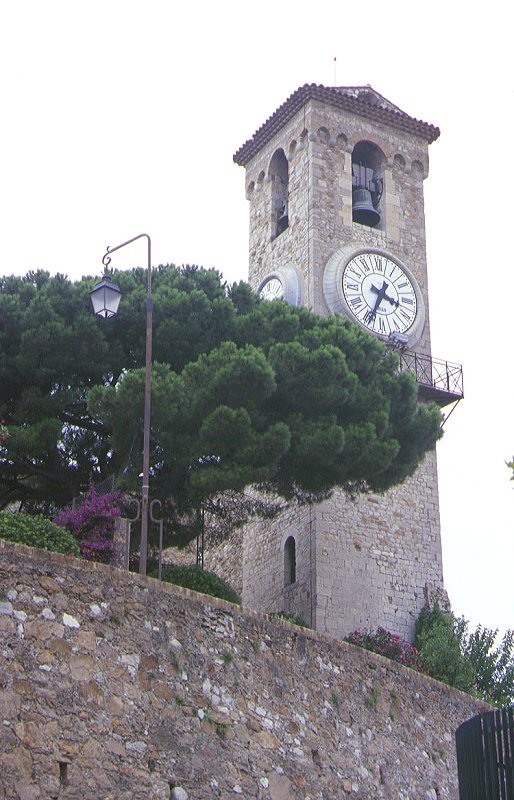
[(370, 315), (385, 296), (391, 300)]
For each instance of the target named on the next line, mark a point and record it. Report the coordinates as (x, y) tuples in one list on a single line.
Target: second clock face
[(272, 289), (379, 294)]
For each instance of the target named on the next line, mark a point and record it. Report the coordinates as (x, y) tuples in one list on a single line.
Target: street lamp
[(105, 298)]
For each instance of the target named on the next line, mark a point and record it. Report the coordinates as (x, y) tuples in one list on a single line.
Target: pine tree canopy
[(244, 392)]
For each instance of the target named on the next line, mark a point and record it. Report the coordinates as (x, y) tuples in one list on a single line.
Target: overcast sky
[(121, 117)]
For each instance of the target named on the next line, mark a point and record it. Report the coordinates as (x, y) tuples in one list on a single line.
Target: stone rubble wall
[(226, 559), (114, 686)]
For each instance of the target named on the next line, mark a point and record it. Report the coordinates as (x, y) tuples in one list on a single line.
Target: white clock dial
[(379, 294), (272, 289)]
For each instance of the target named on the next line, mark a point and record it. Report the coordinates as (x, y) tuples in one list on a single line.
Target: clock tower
[(335, 183)]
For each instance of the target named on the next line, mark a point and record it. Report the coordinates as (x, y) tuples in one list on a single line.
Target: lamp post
[(105, 298)]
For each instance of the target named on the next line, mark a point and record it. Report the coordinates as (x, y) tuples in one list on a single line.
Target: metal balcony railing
[(438, 380)]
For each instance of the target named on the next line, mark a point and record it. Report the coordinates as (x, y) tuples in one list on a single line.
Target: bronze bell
[(364, 211), (283, 220)]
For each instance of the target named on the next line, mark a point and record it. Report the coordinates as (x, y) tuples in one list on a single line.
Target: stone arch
[(323, 135), (278, 172), (399, 162), (368, 167)]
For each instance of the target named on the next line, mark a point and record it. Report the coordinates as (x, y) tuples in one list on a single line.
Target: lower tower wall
[(363, 562)]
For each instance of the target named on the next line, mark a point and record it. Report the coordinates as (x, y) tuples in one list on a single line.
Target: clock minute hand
[(380, 296)]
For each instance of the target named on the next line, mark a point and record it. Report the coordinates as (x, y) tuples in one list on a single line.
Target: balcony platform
[(438, 380)]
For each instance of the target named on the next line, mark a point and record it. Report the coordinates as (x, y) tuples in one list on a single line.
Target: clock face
[(379, 294), (272, 289)]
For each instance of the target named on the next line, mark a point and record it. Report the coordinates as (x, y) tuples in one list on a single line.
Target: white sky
[(121, 117)]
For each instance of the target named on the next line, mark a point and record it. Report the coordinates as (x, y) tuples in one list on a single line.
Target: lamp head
[(105, 298)]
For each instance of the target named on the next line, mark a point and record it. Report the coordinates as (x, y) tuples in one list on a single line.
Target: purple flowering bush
[(388, 645), (4, 431), (92, 524)]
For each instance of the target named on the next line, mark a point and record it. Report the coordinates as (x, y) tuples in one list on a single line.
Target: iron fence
[(485, 756)]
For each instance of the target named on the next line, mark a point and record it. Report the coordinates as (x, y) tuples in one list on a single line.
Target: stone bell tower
[(335, 183)]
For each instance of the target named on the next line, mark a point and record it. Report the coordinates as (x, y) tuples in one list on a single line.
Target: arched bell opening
[(289, 561), (368, 162), (279, 176)]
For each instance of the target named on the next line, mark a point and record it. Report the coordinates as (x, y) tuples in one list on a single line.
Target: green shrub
[(474, 662), (296, 619), (439, 639), (36, 532), (201, 581)]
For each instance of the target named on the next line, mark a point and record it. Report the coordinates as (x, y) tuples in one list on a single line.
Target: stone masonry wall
[(263, 560), (377, 554), (363, 563), (114, 687), (318, 142)]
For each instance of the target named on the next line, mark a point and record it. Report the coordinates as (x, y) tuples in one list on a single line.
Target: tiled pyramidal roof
[(361, 100)]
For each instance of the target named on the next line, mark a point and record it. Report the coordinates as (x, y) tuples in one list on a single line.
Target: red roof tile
[(362, 100)]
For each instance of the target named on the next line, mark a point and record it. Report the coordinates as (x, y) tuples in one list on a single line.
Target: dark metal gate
[(485, 756)]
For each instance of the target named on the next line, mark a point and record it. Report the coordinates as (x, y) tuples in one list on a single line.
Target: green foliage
[(371, 699), (243, 392), (296, 619), (221, 729), (335, 698), (36, 531), (283, 398), (473, 661), (201, 581), (493, 667), (439, 639)]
